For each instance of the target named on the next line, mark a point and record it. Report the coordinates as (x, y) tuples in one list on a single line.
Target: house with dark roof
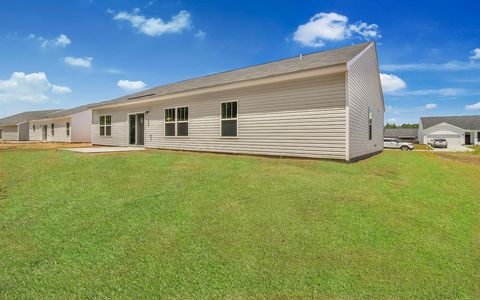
[(16, 127), (457, 130), (326, 104), (404, 134), (67, 126)]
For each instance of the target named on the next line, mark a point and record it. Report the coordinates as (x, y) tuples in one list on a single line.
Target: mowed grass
[(162, 224)]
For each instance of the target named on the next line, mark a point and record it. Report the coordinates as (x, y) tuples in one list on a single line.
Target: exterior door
[(467, 138), (136, 129), (44, 132), (140, 129), (132, 130), (0, 133)]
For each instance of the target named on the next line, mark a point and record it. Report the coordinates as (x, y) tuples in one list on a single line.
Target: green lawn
[(186, 225)]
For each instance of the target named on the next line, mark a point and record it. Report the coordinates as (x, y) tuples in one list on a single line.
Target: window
[(170, 122), (33, 128), (176, 121), (229, 119), (182, 121), (369, 124), (68, 128), (106, 125), (53, 129)]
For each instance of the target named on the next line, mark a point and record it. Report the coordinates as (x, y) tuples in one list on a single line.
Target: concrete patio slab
[(104, 149)]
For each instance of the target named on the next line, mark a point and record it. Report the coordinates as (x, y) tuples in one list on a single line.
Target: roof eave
[(328, 70)]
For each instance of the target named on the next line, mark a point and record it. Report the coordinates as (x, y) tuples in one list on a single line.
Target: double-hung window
[(370, 121), (229, 119), (52, 128), (67, 126), (182, 121), (106, 125), (176, 121), (170, 122)]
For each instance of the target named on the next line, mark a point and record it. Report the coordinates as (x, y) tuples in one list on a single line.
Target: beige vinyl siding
[(23, 133), (364, 93), (60, 130), (304, 118), (37, 134), (80, 127), (9, 133)]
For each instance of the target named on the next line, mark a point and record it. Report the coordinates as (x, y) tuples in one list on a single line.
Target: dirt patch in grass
[(461, 157), (422, 147)]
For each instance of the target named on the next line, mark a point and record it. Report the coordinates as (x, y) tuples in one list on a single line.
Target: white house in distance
[(457, 130), (16, 127), (68, 126), (323, 105)]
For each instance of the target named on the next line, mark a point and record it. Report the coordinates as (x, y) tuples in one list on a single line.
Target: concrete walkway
[(104, 149), (456, 148)]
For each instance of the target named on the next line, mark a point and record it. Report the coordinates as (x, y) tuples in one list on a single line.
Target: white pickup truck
[(394, 143)]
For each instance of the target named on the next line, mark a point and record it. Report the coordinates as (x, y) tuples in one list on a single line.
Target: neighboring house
[(323, 105), (15, 128), (404, 134), (457, 130), (69, 125)]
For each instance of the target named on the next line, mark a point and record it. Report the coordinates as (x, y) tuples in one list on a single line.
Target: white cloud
[(392, 120), (324, 27), (430, 106), (60, 41), (475, 106), (476, 54), (392, 83), (445, 92), (155, 26), (58, 89), (448, 66), (31, 88), (200, 34), (130, 85), (85, 62)]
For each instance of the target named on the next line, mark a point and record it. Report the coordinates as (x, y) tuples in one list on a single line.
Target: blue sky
[(68, 53)]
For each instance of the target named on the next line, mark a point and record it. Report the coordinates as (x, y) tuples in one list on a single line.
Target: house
[(457, 130), (16, 127), (69, 125), (404, 134), (323, 105)]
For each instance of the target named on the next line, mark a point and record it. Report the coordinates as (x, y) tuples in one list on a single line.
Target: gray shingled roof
[(285, 66), (25, 117), (464, 122), (67, 112), (401, 132)]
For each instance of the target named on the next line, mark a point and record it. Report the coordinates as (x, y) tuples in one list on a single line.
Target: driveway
[(453, 148)]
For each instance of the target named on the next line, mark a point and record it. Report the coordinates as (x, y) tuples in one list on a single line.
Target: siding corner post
[(347, 133)]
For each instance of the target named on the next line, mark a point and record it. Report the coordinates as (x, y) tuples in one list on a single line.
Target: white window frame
[(221, 119), (104, 126), (176, 122)]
